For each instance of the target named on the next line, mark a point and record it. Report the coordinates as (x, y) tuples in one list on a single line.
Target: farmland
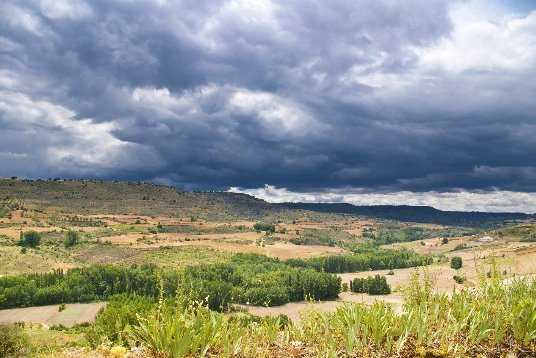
[(243, 258)]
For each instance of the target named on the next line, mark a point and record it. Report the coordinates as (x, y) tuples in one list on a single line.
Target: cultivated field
[(73, 314)]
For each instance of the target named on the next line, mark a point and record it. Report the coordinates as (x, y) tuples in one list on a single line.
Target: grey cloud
[(300, 94)]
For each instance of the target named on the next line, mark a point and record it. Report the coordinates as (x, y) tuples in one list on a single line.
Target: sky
[(422, 102)]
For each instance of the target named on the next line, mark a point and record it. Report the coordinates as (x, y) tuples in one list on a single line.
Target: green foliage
[(245, 278), (97, 282), (71, 238), (30, 239), (445, 241), (523, 233), (262, 226), (326, 237), (393, 232), (192, 330), (496, 320), (364, 259), (258, 280), (373, 285), (456, 262), (459, 279), (114, 323), (13, 341)]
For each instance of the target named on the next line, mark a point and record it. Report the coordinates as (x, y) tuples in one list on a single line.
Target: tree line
[(364, 260), (253, 279), (244, 278)]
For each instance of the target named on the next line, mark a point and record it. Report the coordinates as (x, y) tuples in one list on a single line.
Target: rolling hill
[(97, 197)]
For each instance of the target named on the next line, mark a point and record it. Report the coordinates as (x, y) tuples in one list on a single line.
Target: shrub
[(445, 241), (113, 323), (376, 285), (459, 279), (261, 226), (30, 239), (13, 340), (71, 239), (456, 262)]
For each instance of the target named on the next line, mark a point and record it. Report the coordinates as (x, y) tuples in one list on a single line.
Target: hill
[(97, 197), (420, 214)]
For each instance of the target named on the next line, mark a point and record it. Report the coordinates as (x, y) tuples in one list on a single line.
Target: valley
[(242, 255)]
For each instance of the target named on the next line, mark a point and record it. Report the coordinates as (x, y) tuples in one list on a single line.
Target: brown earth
[(73, 314)]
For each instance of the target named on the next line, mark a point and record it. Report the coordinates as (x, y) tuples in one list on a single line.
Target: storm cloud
[(312, 96)]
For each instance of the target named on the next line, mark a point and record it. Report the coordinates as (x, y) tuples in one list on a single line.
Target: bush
[(114, 322), (13, 340), (30, 239), (445, 241), (459, 279), (376, 285), (456, 262), (71, 239), (261, 226)]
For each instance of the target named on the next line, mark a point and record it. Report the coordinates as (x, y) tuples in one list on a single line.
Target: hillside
[(96, 197), (421, 214)]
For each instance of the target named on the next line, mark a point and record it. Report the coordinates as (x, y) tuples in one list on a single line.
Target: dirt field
[(525, 258), (431, 246), (16, 218), (442, 275), (295, 310), (235, 243), (14, 231), (73, 314)]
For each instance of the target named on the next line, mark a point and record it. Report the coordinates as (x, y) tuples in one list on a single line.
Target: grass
[(49, 257), (525, 233), (493, 320), (13, 262)]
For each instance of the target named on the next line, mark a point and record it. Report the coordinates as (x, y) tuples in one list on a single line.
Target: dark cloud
[(306, 95)]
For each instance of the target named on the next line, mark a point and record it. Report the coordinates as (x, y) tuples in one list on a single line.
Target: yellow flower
[(118, 351)]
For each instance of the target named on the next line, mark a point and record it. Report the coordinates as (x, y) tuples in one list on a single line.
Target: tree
[(30, 239), (376, 285), (456, 262), (71, 239), (445, 241), (261, 226)]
